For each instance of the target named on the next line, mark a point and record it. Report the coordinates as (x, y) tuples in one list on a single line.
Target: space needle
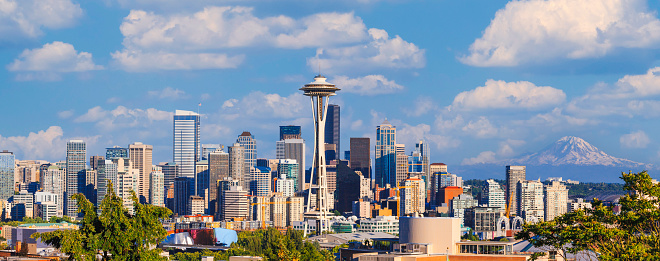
[(319, 91)]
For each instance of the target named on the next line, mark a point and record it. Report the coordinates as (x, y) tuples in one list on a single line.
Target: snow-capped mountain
[(571, 150)]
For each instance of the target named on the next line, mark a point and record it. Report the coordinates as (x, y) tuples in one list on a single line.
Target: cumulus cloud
[(637, 139), (49, 144), (482, 158), (54, 57), (138, 61), (367, 85), (27, 18), (267, 105), (556, 119), (500, 94), (168, 93), (411, 134), (631, 95), (122, 117), (201, 40), (381, 52), (481, 128), (536, 31)]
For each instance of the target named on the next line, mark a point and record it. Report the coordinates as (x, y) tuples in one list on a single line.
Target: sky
[(480, 81)]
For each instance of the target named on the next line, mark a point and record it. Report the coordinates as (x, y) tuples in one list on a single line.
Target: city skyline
[(449, 88)]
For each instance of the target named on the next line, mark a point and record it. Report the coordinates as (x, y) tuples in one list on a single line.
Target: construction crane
[(263, 210), (508, 206)]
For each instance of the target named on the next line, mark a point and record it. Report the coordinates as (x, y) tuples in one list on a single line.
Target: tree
[(630, 235), (115, 234)]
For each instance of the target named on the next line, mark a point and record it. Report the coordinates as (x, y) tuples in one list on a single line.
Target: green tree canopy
[(115, 233), (633, 234)]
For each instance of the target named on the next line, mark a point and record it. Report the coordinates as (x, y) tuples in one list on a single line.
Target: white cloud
[(49, 144), (420, 106), (535, 31), (65, 114), (409, 134), (27, 18), (138, 61), (501, 94), (631, 95), (481, 128), (637, 139), (122, 117), (483, 157), (229, 103), (267, 105), (381, 52), (202, 40), (558, 120), (54, 57), (356, 125), (168, 93), (367, 85)]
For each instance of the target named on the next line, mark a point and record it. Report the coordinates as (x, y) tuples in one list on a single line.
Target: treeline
[(580, 190), (269, 244)]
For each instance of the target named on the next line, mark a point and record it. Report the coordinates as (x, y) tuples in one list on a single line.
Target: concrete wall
[(441, 232)]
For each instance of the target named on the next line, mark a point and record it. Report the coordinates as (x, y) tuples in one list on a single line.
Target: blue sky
[(479, 80)]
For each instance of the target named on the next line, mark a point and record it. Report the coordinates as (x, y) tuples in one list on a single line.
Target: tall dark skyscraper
[(360, 156), (514, 174), (290, 132), (332, 127)]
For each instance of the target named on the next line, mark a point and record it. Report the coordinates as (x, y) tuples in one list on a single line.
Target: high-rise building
[(141, 159), (201, 178), (209, 148), (556, 200), (76, 163), (360, 156), (530, 200), (237, 164), (514, 174), (459, 204), (348, 187), (401, 165), (422, 157), (187, 148), (93, 160), (157, 187), (116, 152), (184, 187), (295, 210), (195, 205), (285, 186), (484, 220), (127, 181), (218, 170), (247, 141), (234, 203), (290, 132), (260, 184), (385, 154), (107, 172), (289, 168), (170, 169), (293, 149), (89, 185), (332, 127), (53, 181), (494, 194), (7, 164), (412, 196)]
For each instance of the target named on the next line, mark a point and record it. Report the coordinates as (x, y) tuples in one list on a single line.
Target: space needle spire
[(319, 91)]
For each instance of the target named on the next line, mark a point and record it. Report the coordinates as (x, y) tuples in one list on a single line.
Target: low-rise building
[(384, 224)]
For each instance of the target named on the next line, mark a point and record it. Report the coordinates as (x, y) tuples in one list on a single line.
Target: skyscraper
[(237, 164), (53, 181), (249, 144), (141, 159), (332, 127), (115, 153), (290, 132), (401, 166), (261, 181), (424, 153), (157, 187), (107, 172), (293, 149), (183, 188), (360, 156), (187, 148), (76, 161), (494, 194), (530, 199), (385, 154), (218, 170), (412, 196), (7, 161), (290, 168), (556, 200), (514, 174), (208, 148)]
